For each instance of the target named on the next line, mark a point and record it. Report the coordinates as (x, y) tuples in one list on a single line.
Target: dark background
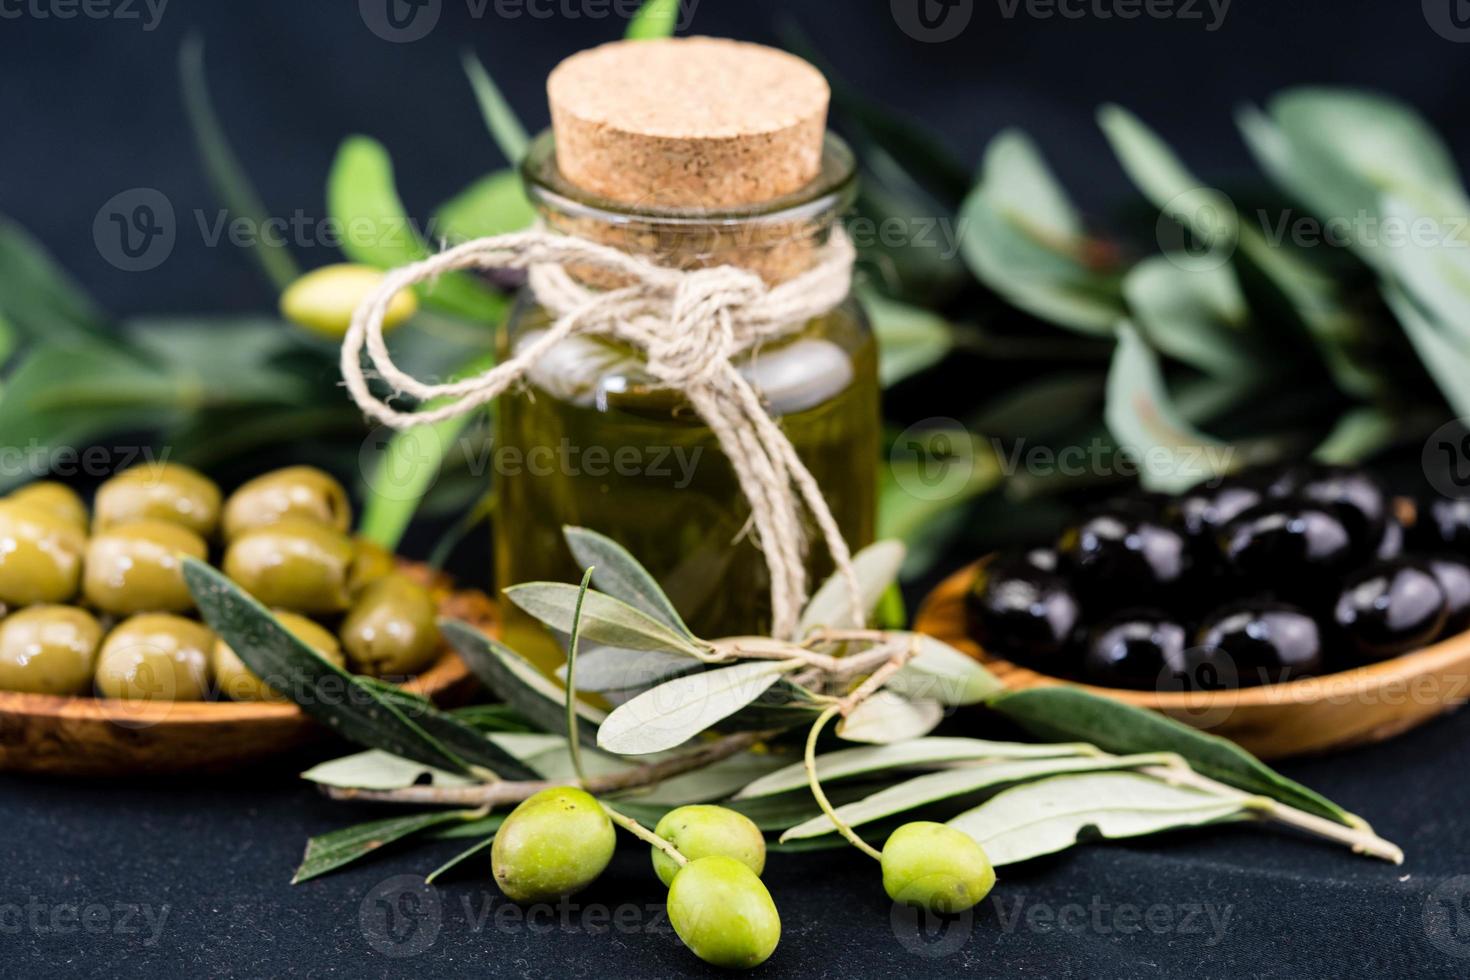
[(91, 107)]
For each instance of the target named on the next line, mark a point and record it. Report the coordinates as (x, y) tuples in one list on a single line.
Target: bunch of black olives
[(97, 601), (1264, 577)]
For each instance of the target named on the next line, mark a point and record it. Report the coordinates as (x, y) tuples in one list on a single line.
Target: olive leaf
[(469, 828), (655, 19), (1357, 435), (1072, 713), (465, 741), (941, 673), (1024, 239), (924, 489), (495, 204), (888, 717), (921, 753), (329, 852), (620, 575), (605, 620), (1436, 271), (674, 712), (516, 682), (876, 567), (1172, 454), (492, 718), (910, 339), (505, 128), (40, 300), (326, 692), (407, 467), (1195, 315), (376, 769), (1054, 814), (228, 178), (612, 670), (937, 786), (1447, 362), (1337, 151), (1315, 299), (378, 232), (457, 860)]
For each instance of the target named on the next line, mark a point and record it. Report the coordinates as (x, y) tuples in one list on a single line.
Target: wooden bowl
[(87, 736), (1314, 714)]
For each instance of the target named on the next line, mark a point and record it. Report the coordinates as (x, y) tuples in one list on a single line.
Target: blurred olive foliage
[(1201, 332)]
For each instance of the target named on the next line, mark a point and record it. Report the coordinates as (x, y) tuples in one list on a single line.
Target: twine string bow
[(689, 326)]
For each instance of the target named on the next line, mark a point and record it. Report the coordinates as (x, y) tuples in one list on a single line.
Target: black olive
[(1042, 559), (1287, 547), (1358, 497), (1443, 523), (1117, 560), (1204, 510), (1453, 576), (1135, 649), (1257, 642), (1390, 608), (1391, 545), (1023, 614)]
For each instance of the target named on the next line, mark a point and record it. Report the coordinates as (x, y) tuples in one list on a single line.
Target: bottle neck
[(776, 239)]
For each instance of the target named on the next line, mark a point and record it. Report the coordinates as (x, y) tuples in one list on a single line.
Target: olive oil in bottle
[(593, 440)]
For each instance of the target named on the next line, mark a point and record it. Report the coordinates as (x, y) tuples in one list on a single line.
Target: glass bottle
[(591, 440)]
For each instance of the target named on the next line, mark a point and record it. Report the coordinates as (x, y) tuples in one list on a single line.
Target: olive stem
[(827, 635), (509, 791), (1359, 839), (574, 743), (644, 834), (761, 648), (816, 786)]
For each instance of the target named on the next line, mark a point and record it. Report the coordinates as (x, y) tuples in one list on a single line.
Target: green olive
[(139, 567), (155, 657), (40, 555), (48, 650), (297, 565), (58, 498), (296, 493), (935, 867), (391, 629), (158, 492), (324, 299), (555, 843), (722, 911), (238, 683), (371, 563), (704, 831)]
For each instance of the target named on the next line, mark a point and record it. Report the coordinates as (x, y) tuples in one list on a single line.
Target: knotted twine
[(689, 327)]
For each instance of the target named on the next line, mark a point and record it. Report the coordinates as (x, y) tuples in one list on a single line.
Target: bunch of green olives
[(560, 840), (97, 600)]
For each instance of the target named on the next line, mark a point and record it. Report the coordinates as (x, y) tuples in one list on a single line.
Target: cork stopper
[(693, 122)]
